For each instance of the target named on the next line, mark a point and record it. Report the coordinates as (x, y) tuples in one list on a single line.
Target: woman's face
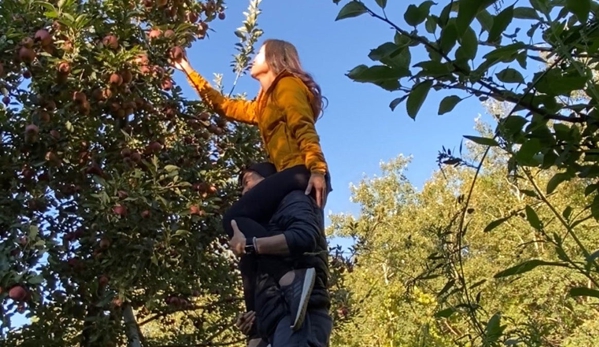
[(259, 65)]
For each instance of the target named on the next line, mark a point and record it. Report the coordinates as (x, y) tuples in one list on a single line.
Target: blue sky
[(358, 129)]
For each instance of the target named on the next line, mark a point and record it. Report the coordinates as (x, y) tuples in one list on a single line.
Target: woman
[(288, 104)]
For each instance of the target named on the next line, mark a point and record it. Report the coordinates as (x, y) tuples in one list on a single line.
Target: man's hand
[(319, 184), (238, 241), (245, 321)]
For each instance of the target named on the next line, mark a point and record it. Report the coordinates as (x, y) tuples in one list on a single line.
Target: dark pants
[(258, 205), (252, 212), (315, 332)]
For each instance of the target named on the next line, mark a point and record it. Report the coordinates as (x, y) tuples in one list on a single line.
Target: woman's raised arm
[(237, 110)]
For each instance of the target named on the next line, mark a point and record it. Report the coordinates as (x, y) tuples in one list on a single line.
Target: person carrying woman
[(285, 111)]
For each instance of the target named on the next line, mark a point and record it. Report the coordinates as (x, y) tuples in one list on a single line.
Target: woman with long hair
[(286, 109)]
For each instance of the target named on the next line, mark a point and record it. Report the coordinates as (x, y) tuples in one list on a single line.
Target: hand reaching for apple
[(178, 59)]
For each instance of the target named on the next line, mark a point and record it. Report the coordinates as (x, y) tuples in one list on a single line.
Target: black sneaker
[(297, 295)]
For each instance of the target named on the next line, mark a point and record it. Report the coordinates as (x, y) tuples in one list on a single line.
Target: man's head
[(254, 174)]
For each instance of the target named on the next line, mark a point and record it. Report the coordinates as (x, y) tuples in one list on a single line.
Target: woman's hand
[(237, 242), (181, 63), (319, 184)]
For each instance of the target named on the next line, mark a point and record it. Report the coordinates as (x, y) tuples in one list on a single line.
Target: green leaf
[(34, 232), (493, 329), (36, 280), (449, 37), (171, 168), (540, 5), (448, 104), (397, 101), (567, 212), (554, 82), (430, 25), (433, 68), (376, 73), (509, 75), (556, 180), (527, 154), (478, 284), (444, 16), (415, 15), (469, 44), (425, 8), (446, 288), (580, 8), (417, 96), (500, 23), (525, 13), (485, 19), (526, 266), (593, 256), (383, 51), (351, 9), (412, 15), (467, 11), (590, 188), (494, 224), (446, 313), (482, 140), (584, 291), (392, 55), (382, 3), (595, 207), (533, 218)]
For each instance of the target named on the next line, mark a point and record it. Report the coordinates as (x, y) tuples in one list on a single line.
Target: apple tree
[(112, 183)]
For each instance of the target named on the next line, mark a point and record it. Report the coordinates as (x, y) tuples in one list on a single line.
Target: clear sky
[(358, 129)]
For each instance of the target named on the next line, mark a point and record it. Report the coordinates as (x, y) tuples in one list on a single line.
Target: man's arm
[(301, 221)]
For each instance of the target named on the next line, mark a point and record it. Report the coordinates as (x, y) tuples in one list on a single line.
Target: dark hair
[(263, 169)]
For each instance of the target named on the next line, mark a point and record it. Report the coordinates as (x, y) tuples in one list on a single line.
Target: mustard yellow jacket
[(283, 115)]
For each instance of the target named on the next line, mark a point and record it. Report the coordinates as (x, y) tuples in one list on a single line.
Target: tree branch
[(208, 344), (189, 308), (457, 68), (501, 97)]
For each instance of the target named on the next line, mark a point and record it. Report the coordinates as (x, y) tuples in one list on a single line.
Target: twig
[(189, 308)]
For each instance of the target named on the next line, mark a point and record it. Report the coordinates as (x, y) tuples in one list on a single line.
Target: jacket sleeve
[(301, 222), (291, 95), (237, 110)]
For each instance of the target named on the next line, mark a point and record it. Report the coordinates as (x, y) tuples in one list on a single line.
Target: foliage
[(112, 183), (406, 285), (546, 139)]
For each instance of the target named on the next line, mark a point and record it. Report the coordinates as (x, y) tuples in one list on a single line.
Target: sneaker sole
[(306, 291)]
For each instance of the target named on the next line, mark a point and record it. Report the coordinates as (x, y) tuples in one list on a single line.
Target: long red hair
[(280, 56)]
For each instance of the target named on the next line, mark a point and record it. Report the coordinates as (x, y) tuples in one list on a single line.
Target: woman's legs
[(261, 202)]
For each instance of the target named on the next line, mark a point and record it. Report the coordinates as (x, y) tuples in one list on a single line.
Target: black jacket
[(302, 222)]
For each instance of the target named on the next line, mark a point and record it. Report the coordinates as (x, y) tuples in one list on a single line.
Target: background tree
[(547, 136), (112, 183), (409, 289)]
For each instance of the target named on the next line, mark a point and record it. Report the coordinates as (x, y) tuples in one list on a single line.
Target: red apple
[(104, 243), (18, 293), (120, 210), (44, 37)]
